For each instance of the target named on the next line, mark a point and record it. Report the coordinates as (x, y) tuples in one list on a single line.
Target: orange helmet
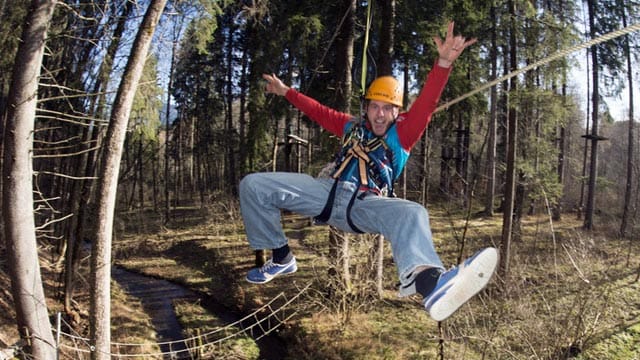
[(385, 88)]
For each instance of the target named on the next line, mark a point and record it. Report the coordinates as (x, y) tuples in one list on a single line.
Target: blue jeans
[(404, 223)]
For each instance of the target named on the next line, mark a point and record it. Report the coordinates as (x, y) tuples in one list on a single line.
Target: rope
[(262, 326), (363, 75), (326, 51), (560, 54)]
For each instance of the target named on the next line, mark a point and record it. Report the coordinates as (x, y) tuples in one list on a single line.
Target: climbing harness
[(366, 162)]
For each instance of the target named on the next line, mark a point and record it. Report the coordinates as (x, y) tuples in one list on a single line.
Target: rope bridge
[(257, 325)]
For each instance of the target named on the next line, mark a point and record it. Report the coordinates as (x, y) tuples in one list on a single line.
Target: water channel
[(157, 297)]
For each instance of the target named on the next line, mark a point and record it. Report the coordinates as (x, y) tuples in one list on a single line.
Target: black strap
[(353, 226), (328, 206)]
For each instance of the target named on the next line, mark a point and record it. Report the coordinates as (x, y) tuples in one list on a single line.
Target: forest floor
[(569, 295)]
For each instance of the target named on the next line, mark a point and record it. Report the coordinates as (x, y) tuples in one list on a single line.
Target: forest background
[(532, 146)]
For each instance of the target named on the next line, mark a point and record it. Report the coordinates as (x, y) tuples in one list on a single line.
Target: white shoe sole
[(470, 280)]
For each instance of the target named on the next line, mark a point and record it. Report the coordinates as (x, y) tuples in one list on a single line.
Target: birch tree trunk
[(100, 311), (17, 192)]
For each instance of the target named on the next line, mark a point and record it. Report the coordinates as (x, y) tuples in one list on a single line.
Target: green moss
[(623, 345)]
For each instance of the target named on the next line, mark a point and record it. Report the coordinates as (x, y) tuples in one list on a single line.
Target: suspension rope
[(260, 327), (363, 75), (559, 54)]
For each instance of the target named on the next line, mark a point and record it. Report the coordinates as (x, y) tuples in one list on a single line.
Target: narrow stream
[(157, 296)]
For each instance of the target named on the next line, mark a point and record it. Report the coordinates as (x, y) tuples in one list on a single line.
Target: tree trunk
[(595, 98), (230, 169), (172, 66), (561, 143), (17, 193), (344, 57), (244, 88), (629, 184), (493, 122), (140, 172), (339, 244), (385, 49), (100, 310), (512, 133), (88, 161), (385, 67)]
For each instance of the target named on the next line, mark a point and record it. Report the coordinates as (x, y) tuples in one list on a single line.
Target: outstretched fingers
[(452, 46)]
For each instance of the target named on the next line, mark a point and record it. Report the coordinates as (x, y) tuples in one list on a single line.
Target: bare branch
[(67, 155), (66, 176), (53, 222), (56, 142), (74, 122)]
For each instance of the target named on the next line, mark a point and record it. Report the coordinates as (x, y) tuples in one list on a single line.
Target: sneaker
[(456, 286), (270, 270)]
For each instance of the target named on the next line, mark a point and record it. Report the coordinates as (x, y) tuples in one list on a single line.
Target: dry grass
[(570, 294), (568, 291)]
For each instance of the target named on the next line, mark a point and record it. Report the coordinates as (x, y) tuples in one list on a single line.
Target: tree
[(493, 120), (86, 166), (595, 109), (630, 146), (145, 120), (512, 136), (339, 245), (17, 192), (100, 311), (604, 17), (385, 47)]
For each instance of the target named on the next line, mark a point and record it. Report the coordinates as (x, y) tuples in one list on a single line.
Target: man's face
[(381, 115)]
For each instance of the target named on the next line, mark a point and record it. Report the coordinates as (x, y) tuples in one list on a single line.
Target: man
[(374, 152)]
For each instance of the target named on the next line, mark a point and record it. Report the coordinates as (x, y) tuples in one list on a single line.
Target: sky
[(618, 106)]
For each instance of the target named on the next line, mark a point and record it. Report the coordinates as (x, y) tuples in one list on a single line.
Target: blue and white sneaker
[(270, 270), (456, 286)]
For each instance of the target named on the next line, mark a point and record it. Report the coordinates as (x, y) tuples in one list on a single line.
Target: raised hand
[(451, 47), (275, 85)]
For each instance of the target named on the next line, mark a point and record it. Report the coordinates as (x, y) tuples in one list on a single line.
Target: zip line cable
[(559, 54), (363, 75), (365, 46)]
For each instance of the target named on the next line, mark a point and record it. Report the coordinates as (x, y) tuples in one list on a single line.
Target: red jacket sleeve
[(330, 119), (411, 124)]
